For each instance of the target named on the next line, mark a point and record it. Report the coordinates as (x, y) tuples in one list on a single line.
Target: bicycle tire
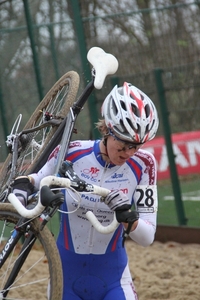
[(49, 267), (57, 101)]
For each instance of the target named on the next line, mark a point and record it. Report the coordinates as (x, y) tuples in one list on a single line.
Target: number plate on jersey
[(146, 198)]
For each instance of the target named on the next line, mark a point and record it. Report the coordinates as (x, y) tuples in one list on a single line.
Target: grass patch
[(167, 211)]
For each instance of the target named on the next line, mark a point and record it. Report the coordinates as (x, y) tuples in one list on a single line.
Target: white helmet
[(130, 114)]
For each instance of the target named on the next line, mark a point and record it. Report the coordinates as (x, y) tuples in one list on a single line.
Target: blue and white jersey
[(136, 178)]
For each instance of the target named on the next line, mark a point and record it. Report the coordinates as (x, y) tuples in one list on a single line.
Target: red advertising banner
[(186, 148)]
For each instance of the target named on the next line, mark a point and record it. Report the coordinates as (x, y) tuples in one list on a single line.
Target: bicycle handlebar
[(64, 183)]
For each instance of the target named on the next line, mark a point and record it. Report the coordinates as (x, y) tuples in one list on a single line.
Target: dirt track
[(165, 271)]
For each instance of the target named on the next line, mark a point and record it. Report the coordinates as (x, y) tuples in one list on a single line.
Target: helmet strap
[(104, 141), (105, 137)]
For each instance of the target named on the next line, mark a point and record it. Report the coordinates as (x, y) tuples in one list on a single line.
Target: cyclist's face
[(119, 151)]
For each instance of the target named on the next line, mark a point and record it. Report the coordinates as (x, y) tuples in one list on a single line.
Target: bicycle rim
[(57, 103), (41, 273)]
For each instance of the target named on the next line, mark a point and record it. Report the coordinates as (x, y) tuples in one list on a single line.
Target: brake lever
[(66, 170)]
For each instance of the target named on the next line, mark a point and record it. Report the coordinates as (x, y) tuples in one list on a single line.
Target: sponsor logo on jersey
[(125, 190), (74, 144), (115, 175), (92, 172), (90, 198)]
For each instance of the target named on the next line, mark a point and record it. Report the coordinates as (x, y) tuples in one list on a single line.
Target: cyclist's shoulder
[(144, 156), (147, 165)]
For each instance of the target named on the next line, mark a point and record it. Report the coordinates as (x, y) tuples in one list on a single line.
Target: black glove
[(22, 188), (124, 215)]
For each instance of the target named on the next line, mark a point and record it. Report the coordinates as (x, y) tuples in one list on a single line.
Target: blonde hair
[(101, 126)]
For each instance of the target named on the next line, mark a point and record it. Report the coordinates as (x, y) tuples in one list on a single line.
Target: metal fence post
[(34, 52), (171, 157), (3, 114), (85, 65), (53, 50)]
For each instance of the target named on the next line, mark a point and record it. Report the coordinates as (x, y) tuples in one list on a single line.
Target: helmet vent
[(120, 91), (152, 125), (122, 129), (142, 97), (130, 123), (123, 106), (114, 107), (132, 96), (135, 110), (147, 110)]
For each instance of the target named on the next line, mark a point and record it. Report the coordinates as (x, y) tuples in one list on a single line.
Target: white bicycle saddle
[(103, 63)]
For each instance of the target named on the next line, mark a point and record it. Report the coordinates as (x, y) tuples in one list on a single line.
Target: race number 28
[(146, 198)]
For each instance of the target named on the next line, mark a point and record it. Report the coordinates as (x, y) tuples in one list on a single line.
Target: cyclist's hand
[(126, 216), (22, 188), (120, 203), (117, 199)]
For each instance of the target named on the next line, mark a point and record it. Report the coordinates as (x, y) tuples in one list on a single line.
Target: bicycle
[(51, 124)]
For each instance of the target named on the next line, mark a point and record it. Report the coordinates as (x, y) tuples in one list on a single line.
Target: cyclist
[(95, 265)]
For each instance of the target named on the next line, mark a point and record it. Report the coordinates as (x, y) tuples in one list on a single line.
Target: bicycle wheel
[(56, 104), (42, 268)]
